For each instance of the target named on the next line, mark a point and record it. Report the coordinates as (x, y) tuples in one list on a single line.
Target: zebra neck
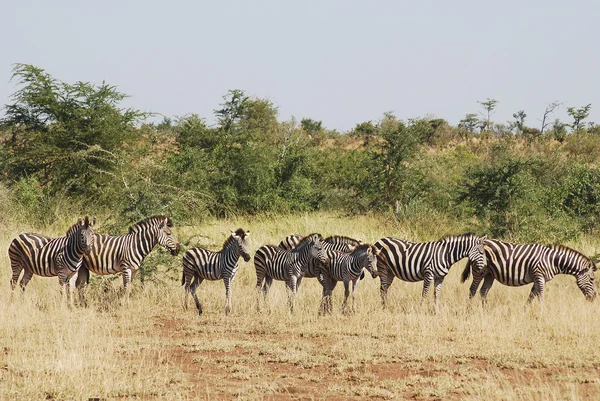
[(231, 251), (73, 252), (300, 256), (564, 263), (144, 242), (455, 251), (356, 265)]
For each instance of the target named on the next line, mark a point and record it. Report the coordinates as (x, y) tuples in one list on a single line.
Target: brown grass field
[(150, 348)]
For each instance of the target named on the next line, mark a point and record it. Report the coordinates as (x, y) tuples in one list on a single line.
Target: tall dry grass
[(150, 348)]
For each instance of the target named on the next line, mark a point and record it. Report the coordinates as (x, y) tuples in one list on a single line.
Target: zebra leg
[(63, 281), (25, 279), (354, 282), (386, 278), (475, 284), (227, 282), (291, 285), (127, 276), (427, 280), (16, 272), (538, 289), (195, 284), (187, 281), (268, 282), (71, 290), (437, 282), (488, 280), (346, 294), (83, 276)]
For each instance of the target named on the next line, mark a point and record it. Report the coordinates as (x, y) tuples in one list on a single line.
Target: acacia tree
[(578, 116), (488, 105), (67, 136)]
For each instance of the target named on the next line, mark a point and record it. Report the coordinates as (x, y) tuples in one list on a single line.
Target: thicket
[(72, 148)]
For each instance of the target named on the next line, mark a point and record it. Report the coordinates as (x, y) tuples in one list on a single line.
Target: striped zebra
[(333, 243), (125, 253), (273, 263), (348, 268), (47, 257), (516, 265), (201, 264), (425, 261)]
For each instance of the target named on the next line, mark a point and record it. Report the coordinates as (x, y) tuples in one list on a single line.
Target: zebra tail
[(183, 277), (466, 273)]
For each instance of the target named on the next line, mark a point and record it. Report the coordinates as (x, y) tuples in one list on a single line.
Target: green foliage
[(578, 116)]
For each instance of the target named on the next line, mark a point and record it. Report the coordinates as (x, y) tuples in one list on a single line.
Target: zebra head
[(477, 253), (166, 238), (369, 255), (317, 251), (585, 280), (85, 234), (241, 238)]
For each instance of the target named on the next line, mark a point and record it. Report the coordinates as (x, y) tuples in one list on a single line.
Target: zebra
[(125, 253), (273, 263), (348, 268), (516, 265), (47, 257), (201, 264), (333, 242), (425, 261)]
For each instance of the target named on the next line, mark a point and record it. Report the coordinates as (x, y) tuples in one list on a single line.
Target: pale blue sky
[(341, 62)]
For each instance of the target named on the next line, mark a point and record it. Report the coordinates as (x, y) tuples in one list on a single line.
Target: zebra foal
[(348, 268), (516, 265), (273, 263), (425, 261), (201, 264), (47, 257), (125, 253)]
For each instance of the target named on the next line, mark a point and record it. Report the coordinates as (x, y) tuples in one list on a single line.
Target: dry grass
[(151, 349)]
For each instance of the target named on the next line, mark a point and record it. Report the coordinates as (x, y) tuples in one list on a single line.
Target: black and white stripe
[(125, 253), (348, 268), (425, 261), (273, 263), (516, 265), (202, 264), (47, 257)]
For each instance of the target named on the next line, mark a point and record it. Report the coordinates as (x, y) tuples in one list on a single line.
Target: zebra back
[(290, 241), (331, 243)]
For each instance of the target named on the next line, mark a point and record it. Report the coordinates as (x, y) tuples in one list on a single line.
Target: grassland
[(150, 348)]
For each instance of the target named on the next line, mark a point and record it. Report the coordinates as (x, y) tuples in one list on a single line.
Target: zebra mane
[(459, 236), (341, 239), (239, 232), (149, 221), (363, 247), (80, 223), (306, 239)]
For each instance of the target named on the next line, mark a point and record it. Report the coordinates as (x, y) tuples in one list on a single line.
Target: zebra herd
[(330, 260)]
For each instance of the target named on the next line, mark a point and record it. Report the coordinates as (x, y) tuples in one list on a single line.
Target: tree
[(488, 105), (467, 125), (68, 136), (578, 116), (519, 122), (549, 110)]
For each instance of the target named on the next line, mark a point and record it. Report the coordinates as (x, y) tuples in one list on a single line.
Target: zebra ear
[(484, 237), (93, 221), (233, 234), (351, 248), (247, 234), (86, 221)]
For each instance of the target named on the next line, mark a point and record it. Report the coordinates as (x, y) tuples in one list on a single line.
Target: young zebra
[(425, 261), (521, 264), (348, 268), (47, 257), (273, 263), (125, 253), (201, 264)]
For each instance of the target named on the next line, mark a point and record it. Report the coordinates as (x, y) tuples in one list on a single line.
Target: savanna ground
[(150, 348)]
